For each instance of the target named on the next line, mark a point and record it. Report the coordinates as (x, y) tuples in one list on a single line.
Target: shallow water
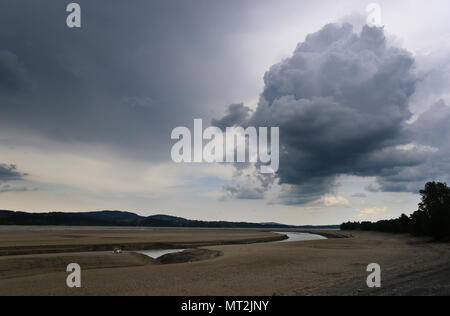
[(292, 236), (155, 254), (296, 236)]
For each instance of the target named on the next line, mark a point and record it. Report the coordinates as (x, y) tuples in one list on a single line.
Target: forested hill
[(119, 218)]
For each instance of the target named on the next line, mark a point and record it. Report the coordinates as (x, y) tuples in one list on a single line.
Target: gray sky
[(86, 114)]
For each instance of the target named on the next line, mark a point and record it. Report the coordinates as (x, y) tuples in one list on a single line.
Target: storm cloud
[(342, 104), (88, 112), (12, 73), (125, 79), (432, 134), (10, 173)]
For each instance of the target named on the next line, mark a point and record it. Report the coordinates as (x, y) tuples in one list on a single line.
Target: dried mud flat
[(325, 267), (23, 240)]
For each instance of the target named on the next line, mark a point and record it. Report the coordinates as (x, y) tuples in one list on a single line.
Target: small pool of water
[(155, 254), (296, 236)]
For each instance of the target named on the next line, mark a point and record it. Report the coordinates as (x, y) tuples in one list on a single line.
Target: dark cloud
[(126, 78), (237, 115), (12, 73), (432, 133), (10, 173), (9, 188), (434, 71), (341, 102), (432, 127), (12, 180), (133, 73), (373, 188), (307, 192)]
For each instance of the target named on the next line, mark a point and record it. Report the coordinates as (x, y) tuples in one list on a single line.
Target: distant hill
[(119, 218), (272, 224)]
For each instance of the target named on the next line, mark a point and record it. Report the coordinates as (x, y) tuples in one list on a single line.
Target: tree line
[(432, 219)]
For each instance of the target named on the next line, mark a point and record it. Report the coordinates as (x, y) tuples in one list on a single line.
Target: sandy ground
[(17, 240), (324, 267)]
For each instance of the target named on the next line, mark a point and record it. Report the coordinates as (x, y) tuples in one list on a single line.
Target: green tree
[(435, 209)]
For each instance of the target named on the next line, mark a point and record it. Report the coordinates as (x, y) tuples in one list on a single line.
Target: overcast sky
[(86, 114)]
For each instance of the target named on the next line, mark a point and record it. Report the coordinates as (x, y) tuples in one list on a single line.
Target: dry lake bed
[(229, 262)]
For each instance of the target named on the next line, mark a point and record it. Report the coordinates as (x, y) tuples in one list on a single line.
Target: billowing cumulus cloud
[(247, 184), (432, 134), (237, 115), (434, 71), (342, 104)]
